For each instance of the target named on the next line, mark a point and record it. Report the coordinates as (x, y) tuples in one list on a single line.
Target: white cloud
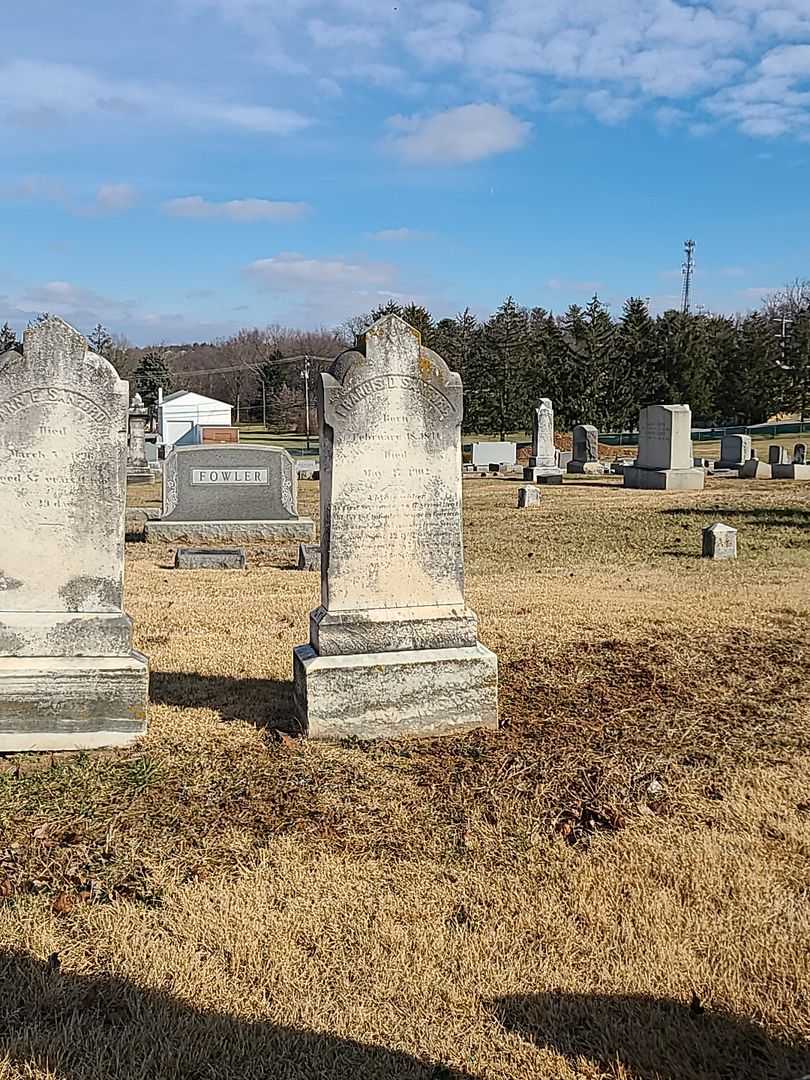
[(321, 290), (458, 136), (112, 198), (42, 94), (396, 235), (239, 210)]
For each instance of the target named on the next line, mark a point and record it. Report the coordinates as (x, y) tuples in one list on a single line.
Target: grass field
[(615, 885)]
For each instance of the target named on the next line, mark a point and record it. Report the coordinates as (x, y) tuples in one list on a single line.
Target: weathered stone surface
[(385, 695), (229, 483), (754, 469), (485, 454), (664, 461), (720, 542), (528, 496), (64, 639), (138, 469), (800, 453), (392, 572), (309, 557), (585, 442), (735, 450), (790, 472), (215, 532), (777, 455), (544, 463), (210, 559)]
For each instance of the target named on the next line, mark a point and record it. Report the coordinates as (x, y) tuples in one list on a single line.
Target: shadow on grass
[(107, 1028), (777, 516), (266, 703), (652, 1038)]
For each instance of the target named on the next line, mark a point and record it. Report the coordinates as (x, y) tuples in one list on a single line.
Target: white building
[(179, 412)]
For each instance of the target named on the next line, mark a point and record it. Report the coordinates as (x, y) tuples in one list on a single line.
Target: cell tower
[(688, 269)]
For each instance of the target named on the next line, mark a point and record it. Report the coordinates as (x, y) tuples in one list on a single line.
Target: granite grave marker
[(664, 461)]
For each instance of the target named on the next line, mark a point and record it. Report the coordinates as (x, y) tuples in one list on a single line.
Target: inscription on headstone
[(68, 675), (392, 647)]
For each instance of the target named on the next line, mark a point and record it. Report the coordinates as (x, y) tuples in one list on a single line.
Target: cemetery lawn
[(616, 884)]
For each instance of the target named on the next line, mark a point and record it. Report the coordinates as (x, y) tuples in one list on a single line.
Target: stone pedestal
[(393, 650), (69, 678), (588, 468), (245, 532), (542, 474), (385, 695), (664, 479), (719, 542)]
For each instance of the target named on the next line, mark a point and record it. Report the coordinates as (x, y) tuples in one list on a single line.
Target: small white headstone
[(528, 496), (720, 542)]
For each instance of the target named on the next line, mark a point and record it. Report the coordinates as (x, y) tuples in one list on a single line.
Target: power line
[(256, 367)]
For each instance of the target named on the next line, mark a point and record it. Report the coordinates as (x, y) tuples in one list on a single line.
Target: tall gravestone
[(69, 678), (585, 446), (393, 649), (138, 470), (664, 461), (544, 464)]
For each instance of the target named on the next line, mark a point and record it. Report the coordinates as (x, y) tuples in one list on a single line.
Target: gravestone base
[(664, 479), (72, 703), (309, 557), (393, 694), (543, 474), (790, 472), (199, 532), (140, 476), (210, 559), (385, 630), (755, 470), (588, 468)]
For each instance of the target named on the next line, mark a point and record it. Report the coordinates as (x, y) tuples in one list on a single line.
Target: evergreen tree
[(796, 363), (152, 374), (499, 370), (750, 380), (8, 339), (686, 367), (100, 340), (635, 366), (420, 319)]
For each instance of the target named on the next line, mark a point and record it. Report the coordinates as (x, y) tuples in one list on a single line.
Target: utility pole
[(305, 374), (688, 270)]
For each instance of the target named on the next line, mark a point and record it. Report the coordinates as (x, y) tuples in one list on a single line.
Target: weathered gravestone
[(664, 461), (585, 459), (69, 678), (800, 453), (487, 454), (233, 558), (754, 469), (309, 557), (735, 450), (230, 492), (777, 455), (393, 649), (544, 464), (720, 542), (528, 496), (138, 469)]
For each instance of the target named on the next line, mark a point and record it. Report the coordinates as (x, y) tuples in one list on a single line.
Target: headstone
[(494, 468), (210, 559), (528, 496), (585, 441), (229, 493), (69, 678), (393, 649), (777, 455), (309, 557), (664, 461), (754, 469), (485, 454), (544, 464), (138, 470), (735, 450), (800, 454), (720, 542)]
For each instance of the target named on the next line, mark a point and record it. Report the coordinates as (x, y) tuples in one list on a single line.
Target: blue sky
[(177, 169)]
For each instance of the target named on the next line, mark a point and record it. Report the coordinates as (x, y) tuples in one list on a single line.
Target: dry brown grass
[(542, 902)]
